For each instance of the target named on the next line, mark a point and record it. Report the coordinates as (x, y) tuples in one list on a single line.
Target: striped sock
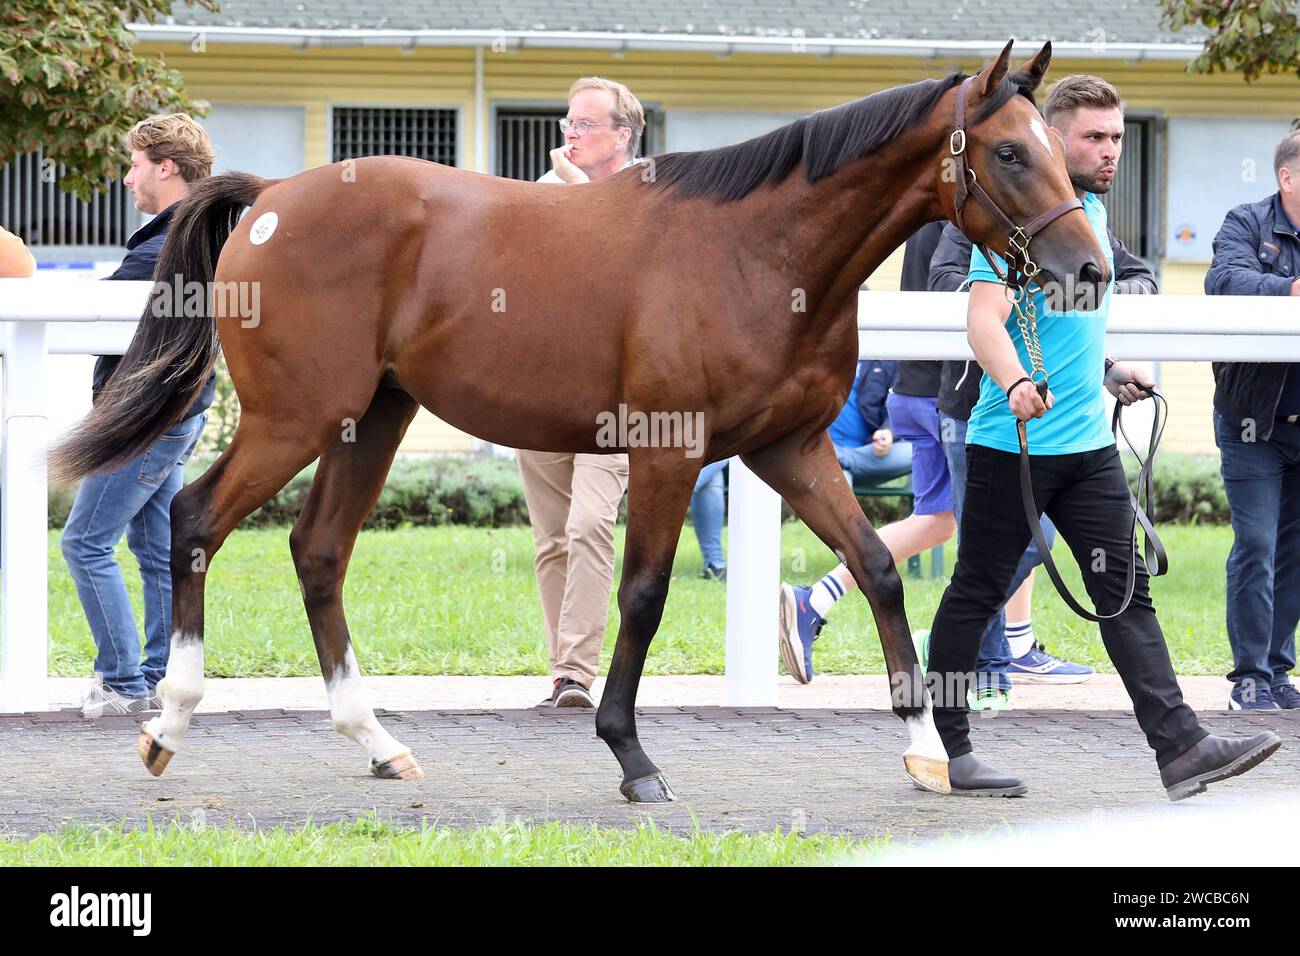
[(1020, 637), (829, 590)]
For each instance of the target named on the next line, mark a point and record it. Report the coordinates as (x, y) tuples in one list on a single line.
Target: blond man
[(573, 499), (168, 154)]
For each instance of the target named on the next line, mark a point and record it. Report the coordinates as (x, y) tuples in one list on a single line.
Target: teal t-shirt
[(1074, 355)]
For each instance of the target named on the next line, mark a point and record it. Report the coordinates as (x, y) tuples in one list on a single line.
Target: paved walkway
[(753, 769), (1103, 692)]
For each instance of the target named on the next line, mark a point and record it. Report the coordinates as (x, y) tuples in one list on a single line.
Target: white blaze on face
[(1038, 129)]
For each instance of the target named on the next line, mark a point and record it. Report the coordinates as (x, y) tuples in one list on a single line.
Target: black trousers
[(1086, 497)]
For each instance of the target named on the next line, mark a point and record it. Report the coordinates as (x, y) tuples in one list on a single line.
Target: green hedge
[(487, 492)]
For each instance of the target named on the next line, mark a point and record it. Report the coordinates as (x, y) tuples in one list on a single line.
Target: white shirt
[(550, 176)]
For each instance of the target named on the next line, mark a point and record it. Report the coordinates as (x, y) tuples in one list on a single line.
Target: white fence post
[(753, 576), (24, 645)]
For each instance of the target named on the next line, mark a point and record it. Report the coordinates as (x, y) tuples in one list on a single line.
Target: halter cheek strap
[(1020, 267)]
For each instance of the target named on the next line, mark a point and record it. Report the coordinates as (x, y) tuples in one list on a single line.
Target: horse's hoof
[(929, 773), (401, 767), (155, 755), (651, 789)]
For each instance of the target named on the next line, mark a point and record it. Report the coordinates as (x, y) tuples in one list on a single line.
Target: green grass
[(457, 600), (369, 842)]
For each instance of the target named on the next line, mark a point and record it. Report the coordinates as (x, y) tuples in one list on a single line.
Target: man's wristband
[(1016, 384)]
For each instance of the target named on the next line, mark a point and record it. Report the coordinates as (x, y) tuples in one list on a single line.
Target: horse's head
[(1005, 182)]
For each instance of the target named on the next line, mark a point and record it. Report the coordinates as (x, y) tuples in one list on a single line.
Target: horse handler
[(1078, 480)]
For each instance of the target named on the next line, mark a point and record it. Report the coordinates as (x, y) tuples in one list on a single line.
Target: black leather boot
[(972, 777), (1214, 759)]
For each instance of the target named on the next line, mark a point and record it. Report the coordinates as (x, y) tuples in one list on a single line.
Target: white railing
[(54, 315)]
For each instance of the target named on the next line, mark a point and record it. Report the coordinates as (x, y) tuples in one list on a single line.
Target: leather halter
[(1020, 267)]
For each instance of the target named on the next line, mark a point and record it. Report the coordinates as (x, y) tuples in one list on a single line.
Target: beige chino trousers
[(572, 504)]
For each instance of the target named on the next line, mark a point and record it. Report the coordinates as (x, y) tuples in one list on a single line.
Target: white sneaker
[(103, 701)]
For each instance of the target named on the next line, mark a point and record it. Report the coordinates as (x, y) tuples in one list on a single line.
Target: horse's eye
[(1007, 155)]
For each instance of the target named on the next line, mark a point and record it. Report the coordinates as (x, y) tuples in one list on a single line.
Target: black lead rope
[(1157, 562)]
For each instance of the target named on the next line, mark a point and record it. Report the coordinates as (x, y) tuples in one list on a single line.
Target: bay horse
[(722, 282)]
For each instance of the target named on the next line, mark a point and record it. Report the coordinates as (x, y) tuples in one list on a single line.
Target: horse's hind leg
[(348, 481), (803, 469), (264, 454), (660, 482)]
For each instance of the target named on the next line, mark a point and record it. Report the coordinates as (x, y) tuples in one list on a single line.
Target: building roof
[(1096, 23)]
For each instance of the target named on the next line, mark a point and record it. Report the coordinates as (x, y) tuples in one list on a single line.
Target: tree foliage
[(1250, 37), (72, 83)]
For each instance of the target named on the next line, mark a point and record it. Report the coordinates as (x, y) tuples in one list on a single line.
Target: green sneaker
[(921, 641), (989, 699)]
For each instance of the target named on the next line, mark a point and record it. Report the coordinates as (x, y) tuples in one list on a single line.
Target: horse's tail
[(175, 344)]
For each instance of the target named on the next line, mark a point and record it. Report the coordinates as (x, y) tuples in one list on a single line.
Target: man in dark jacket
[(1257, 429), (168, 153)]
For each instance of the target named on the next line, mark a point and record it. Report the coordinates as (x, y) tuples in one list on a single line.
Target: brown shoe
[(1214, 759)]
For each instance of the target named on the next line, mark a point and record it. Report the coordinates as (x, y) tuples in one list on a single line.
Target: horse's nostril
[(1090, 272)]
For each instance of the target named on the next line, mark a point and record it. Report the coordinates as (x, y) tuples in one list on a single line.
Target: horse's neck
[(856, 218)]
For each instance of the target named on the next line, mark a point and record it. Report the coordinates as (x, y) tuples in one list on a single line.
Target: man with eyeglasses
[(573, 499)]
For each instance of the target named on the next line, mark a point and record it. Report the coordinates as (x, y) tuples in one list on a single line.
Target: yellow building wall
[(317, 78)]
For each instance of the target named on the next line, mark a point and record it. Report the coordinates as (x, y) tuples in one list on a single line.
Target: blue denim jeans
[(869, 469), (995, 653), (135, 499), (1262, 481), (708, 508)]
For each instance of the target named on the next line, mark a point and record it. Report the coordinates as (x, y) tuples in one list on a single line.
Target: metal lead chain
[(1027, 311)]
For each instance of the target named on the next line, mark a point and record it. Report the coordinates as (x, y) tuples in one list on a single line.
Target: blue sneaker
[(1248, 695), (1040, 667), (800, 625), (1286, 696)]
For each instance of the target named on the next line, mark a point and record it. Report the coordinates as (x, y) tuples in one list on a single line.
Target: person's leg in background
[(149, 536), (599, 483), (801, 610), (930, 524), (1029, 661), (104, 508), (867, 468), (708, 508), (548, 490), (1286, 570), (1252, 479)]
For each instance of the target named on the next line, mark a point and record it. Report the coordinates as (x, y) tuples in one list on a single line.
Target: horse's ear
[(993, 74), (1036, 68)]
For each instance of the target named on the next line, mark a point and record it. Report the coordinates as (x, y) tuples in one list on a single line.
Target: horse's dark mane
[(825, 141)]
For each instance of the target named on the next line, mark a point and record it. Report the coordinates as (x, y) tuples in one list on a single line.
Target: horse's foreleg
[(348, 481), (258, 463), (660, 482), (803, 469)]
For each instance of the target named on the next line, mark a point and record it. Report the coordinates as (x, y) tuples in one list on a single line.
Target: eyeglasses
[(583, 127)]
